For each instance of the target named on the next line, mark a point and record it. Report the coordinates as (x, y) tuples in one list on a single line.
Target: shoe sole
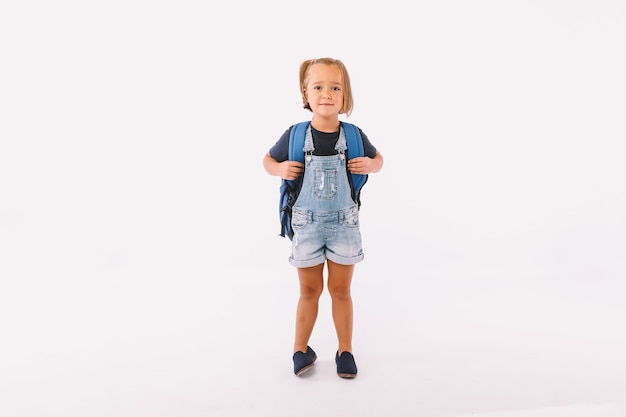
[(347, 376), (306, 368)]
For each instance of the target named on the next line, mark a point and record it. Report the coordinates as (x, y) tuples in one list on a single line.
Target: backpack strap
[(355, 149), (296, 141), (296, 144), (289, 188)]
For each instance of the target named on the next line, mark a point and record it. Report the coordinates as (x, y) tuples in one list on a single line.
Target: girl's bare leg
[(339, 281), (311, 287)]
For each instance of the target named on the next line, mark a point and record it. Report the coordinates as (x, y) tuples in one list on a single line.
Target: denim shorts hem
[(307, 263), (342, 260)]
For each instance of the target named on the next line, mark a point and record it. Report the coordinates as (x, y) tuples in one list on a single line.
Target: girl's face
[(324, 90)]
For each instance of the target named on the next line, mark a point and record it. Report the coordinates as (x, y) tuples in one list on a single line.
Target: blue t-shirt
[(323, 142)]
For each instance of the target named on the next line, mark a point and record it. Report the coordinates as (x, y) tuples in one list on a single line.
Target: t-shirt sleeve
[(368, 148), (280, 150)]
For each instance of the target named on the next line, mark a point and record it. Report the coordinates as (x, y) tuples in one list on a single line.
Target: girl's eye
[(317, 87), (336, 88)]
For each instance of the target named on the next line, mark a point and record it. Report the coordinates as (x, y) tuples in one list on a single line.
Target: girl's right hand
[(290, 170)]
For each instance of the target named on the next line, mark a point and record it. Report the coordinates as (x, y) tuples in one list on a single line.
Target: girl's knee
[(311, 291), (339, 291)]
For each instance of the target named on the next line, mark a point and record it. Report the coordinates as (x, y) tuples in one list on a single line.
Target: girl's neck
[(325, 125)]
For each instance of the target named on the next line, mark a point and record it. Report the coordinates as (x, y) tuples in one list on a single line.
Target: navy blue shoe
[(302, 362), (346, 366)]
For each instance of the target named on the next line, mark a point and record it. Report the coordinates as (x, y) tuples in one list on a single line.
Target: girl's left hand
[(360, 165)]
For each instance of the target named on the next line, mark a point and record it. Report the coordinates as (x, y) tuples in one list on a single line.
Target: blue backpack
[(289, 189)]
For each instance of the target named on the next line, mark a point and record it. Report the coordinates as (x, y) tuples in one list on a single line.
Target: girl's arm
[(288, 170)]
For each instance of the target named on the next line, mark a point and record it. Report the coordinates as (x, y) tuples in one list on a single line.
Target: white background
[(140, 270)]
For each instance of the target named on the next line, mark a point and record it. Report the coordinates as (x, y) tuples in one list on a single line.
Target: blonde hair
[(348, 102)]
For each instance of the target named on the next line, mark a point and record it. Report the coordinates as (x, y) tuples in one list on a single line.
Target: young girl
[(325, 215)]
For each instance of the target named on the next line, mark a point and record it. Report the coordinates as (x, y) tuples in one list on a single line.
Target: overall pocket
[(351, 217), (299, 218), (325, 184)]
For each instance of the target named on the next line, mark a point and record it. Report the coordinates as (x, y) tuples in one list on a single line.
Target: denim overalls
[(325, 219)]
